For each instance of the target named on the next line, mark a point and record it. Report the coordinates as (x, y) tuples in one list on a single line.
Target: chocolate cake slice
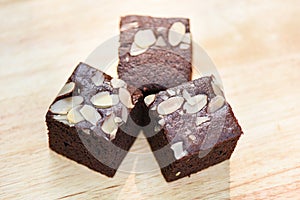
[(192, 127), (154, 53), (92, 120)]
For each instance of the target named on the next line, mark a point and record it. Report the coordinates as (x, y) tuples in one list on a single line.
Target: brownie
[(192, 127), (92, 119), (154, 53)]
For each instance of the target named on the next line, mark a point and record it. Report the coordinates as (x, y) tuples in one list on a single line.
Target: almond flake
[(144, 38), (109, 126), (103, 100), (215, 104), (149, 99), (74, 115), (186, 38), (125, 98), (184, 46), (178, 150), (130, 25), (170, 105), (135, 50), (90, 114), (217, 89), (176, 33), (117, 83), (98, 78), (160, 42), (68, 88), (64, 105), (200, 120)]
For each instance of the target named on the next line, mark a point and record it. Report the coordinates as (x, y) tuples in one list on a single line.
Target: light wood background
[(255, 45)]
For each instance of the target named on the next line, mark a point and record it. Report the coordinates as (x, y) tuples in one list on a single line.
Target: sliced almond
[(191, 109), (109, 126), (98, 78), (176, 33), (215, 104), (135, 50), (68, 88), (103, 100), (117, 83), (186, 95), (160, 42), (178, 173), (184, 46), (144, 38), (118, 120), (90, 114), (161, 122), (171, 92), (124, 114), (161, 29), (170, 105), (130, 25), (200, 120), (198, 99), (186, 38), (178, 150), (217, 89), (74, 116), (60, 117), (149, 99), (125, 98), (64, 105), (192, 137)]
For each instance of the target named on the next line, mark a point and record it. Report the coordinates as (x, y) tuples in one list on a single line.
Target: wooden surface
[(255, 45)]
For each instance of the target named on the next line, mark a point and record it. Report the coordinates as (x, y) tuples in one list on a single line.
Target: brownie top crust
[(155, 51), (193, 116), (94, 102)]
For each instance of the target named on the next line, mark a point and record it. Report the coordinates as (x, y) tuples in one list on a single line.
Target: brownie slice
[(154, 53), (192, 127), (92, 120)]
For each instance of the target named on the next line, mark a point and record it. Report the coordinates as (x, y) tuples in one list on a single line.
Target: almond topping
[(68, 88), (170, 105), (90, 114)]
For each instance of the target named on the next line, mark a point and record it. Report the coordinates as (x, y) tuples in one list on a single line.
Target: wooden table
[(255, 45)]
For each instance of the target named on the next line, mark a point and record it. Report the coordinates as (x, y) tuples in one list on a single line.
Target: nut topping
[(90, 114), (149, 99), (217, 89), (125, 98), (74, 115), (184, 46), (64, 105), (178, 150), (200, 120), (129, 26), (215, 104), (109, 126), (171, 92), (144, 38), (117, 83), (135, 50), (68, 88), (170, 105), (186, 38), (160, 42), (176, 33), (104, 100), (98, 78)]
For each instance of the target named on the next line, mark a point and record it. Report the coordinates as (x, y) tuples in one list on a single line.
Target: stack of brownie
[(95, 118)]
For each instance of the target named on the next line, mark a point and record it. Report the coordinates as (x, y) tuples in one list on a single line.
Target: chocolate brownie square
[(92, 119), (154, 53), (192, 127)]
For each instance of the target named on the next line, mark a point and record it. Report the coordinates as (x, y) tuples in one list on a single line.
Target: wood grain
[(255, 45)]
